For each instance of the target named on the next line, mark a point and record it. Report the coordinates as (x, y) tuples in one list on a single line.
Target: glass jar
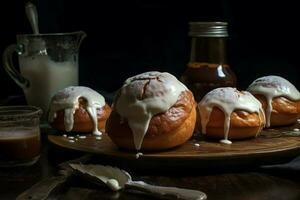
[(208, 67), (19, 135)]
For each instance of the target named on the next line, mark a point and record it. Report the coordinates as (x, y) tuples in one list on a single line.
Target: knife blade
[(117, 179)]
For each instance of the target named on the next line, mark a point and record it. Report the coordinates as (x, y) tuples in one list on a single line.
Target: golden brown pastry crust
[(82, 120), (166, 130), (284, 111), (242, 124)]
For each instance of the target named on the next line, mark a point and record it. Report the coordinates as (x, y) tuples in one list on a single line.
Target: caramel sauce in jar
[(201, 78), (19, 144), (208, 66)]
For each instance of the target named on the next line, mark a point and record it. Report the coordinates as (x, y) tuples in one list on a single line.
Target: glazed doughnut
[(226, 113), (152, 111), (78, 109), (280, 99)]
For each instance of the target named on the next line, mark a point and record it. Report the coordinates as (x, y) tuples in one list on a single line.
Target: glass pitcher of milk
[(48, 63)]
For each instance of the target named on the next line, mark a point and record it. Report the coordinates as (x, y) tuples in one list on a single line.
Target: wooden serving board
[(272, 146)]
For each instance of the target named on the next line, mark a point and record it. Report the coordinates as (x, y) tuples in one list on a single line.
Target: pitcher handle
[(10, 68)]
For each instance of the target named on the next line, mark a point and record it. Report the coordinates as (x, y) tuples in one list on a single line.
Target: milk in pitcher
[(46, 77)]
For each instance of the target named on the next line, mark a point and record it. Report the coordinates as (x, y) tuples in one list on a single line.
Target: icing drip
[(139, 154), (68, 119), (262, 118), (225, 141), (113, 184), (145, 95), (93, 113), (273, 86), (227, 99), (68, 100)]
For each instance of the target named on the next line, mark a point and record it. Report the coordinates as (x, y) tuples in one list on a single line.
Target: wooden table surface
[(234, 183)]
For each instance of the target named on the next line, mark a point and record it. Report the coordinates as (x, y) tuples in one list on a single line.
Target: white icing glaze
[(113, 177), (67, 100), (227, 99), (138, 154), (113, 184), (273, 86), (159, 92), (225, 141)]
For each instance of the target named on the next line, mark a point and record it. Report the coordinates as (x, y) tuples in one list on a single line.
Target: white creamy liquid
[(161, 92), (271, 87), (227, 99), (46, 77), (67, 99)]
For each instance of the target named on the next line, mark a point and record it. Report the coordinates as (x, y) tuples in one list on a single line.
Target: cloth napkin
[(291, 168)]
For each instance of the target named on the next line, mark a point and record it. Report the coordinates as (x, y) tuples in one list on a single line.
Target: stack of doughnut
[(226, 113), (280, 99), (78, 109), (152, 111)]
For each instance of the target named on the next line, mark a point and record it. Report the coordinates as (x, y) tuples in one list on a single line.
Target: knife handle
[(42, 189), (166, 192)]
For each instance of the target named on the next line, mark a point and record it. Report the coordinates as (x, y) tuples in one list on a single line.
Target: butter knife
[(43, 189)]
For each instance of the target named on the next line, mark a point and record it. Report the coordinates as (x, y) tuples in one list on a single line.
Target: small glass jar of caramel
[(208, 67), (20, 140)]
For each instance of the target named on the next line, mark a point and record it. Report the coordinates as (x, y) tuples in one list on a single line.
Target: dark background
[(129, 37)]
